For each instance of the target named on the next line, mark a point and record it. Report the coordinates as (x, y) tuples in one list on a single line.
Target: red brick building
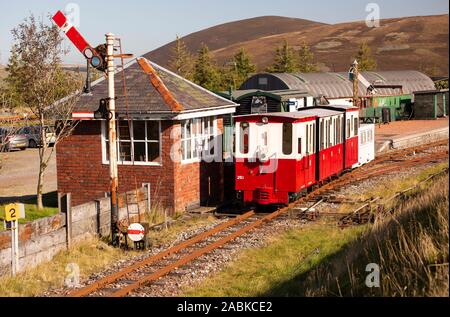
[(169, 136)]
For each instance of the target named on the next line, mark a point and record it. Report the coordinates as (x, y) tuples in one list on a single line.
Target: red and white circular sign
[(136, 232)]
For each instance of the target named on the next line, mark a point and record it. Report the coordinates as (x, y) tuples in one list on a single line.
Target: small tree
[(181, 59), (306, 60), (206, 72), (241, 67), (42, 84), (286, 60), (10, 91), (365, 60)]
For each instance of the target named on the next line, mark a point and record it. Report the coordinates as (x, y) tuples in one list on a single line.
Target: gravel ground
[(20, 171), (198, 270)]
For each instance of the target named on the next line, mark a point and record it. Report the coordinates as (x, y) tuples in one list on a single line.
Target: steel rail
[(114, 277), (184, 260), (353, 176)]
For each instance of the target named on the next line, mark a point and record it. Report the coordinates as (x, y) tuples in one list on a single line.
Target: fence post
[(148, 187), (65, 206)]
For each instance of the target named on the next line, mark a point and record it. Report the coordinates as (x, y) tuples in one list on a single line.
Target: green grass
[(91, 256), (411, 246), (31, 211), (314, 261), (263, 271)]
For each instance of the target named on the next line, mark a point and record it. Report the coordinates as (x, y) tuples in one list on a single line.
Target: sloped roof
[(281, 95), (337, 85), (155, 90)]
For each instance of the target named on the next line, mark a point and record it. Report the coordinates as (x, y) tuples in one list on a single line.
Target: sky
[(147, 25)]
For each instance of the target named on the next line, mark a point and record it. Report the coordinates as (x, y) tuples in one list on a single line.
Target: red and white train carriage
[(280, 155)]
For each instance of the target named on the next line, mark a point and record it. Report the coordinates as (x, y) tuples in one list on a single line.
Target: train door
[(309, 158)]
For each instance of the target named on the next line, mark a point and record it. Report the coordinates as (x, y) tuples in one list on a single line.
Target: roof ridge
[(159, 85), (190, 82)]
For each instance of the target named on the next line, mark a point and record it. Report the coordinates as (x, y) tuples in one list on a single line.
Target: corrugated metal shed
[(337, 85)]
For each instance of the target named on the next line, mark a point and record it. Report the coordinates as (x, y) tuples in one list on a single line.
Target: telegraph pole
[(355, 84), (110, 38)]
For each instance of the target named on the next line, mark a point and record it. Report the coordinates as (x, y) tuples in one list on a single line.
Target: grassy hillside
[(419, 43)]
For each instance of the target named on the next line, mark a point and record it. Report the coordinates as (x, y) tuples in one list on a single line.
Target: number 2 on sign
[(12, 212)]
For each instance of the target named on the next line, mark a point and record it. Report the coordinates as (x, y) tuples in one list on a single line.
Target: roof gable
[(151, 88)]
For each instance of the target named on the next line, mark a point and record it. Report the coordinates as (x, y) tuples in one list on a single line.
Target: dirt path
[(19, 174)]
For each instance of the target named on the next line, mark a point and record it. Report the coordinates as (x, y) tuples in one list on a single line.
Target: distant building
[(431, 104), (166, 116), (393, 97)]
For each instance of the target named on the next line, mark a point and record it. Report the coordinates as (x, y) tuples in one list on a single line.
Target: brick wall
[(81, 172), (174, 186), (199, 183)]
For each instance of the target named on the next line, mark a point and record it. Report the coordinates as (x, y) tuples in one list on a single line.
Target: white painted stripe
[(202, 114), (81, 115)]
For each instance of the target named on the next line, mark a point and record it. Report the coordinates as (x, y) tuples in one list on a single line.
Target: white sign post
[(14, 212)]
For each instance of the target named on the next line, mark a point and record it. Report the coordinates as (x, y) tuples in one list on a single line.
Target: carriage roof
[(304, 115)]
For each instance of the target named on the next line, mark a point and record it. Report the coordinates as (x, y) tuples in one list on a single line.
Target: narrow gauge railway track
[(142, 273)]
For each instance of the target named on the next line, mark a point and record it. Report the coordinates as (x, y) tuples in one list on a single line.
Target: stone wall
[(41, 240)]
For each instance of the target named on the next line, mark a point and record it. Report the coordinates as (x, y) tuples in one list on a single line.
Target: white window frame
[(147, 141), (201, 137)]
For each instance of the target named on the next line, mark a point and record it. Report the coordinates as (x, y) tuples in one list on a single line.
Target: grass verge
[(91, 256), (32, 213), (411, 248)]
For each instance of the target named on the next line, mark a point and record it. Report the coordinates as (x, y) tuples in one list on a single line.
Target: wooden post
[(65, 206)]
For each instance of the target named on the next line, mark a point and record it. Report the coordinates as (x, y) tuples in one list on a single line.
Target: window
[(307, 140), (263, 81), (300, 146), (264, 137), (287, 138), (322, 136), (328, 133), (313, 135), (138, 142), (197, 138), (338, 134), (355, 125), (347, 135), (244, 137)]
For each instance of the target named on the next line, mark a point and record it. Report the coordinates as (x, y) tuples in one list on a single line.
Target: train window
[(322, 136), (347, 135), (300, 146), (264, 138), (307, 140), (313, 135), (338, 130), (356, 126), (245, 137), (287, 138), (329, 133), (310, 140)]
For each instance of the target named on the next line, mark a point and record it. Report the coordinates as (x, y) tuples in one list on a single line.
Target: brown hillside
[(419, 43), (229, 34)]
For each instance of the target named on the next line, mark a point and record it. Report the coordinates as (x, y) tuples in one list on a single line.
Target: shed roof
[(338, 85), (152, 89), (280, 95)]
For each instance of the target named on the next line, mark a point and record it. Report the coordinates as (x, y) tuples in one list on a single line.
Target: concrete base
[(414, 139)]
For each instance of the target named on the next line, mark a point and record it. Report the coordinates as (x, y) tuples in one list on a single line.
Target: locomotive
[(279, 156)]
